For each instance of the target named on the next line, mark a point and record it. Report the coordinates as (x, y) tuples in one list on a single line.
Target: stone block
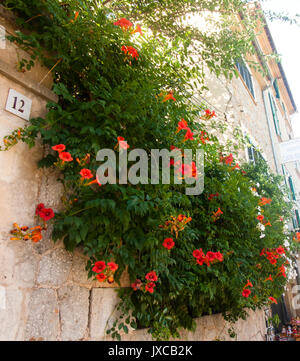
[(55, 267), (43, 316), (10, 313), (103, 311), (74, 312)]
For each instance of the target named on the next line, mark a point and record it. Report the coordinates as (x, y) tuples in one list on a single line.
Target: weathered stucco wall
[(44, 290)]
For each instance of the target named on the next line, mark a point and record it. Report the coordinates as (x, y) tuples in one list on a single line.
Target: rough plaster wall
[(44, 290)]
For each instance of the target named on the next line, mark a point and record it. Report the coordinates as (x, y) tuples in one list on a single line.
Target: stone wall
[(44, 290)]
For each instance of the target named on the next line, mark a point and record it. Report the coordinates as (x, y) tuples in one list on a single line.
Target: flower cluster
[(126, 25), (84, 161), (216, 215), (228, 160), (204, 137), (12, 139), (208, 114), (85, 172), (264, 201), (176, 224), (45, 213), (151, 278), (25, 233), (35, 233), (273, 255), (169, 96), (208, 258), (64, 156), (105, 271), (212, 195), (128, 50), (260, 218), (246, 292), (131, 51), (183, 125)]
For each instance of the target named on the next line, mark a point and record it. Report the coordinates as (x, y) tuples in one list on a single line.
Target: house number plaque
[(18, 104)]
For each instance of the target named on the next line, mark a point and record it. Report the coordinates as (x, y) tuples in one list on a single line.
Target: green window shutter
[(294, 223), (274, 113), (275, 85), (292, 188), (298, 218)]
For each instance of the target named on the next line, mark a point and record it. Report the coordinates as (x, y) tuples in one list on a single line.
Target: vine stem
[(34, 17), (58, 61)]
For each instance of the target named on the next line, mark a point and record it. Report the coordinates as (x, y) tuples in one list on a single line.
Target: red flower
[(122, 143), (219, 256), (65, 156), (189, 170), (151, 276), (260, 217), (46, 214), (248, 284), (210, 256), (264, 201), (100, 277), (124, 24), (99, 267), (201, 260), (36, 236), (246, 293), (272, 299), (280, 250), (210, 114), (136, 285), (269, 278), (174, 148), (138, 29), (189, 135), (262, 253), (169, 96), (150, 287), (273, 261), (182, 125), (198, 253), (169, 243), (218, 212), (235, 167), (131, 51), (229, 159), (86, 173), (94, 182), (59, 147), (39, 208), (113, 266)]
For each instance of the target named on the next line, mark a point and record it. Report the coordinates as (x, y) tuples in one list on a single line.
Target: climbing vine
[(122, 86)]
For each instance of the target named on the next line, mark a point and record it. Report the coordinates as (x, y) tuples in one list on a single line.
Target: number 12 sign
[(18, 104)]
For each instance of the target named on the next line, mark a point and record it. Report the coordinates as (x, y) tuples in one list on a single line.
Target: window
[(274, 114), (246, 75), (253, 154)]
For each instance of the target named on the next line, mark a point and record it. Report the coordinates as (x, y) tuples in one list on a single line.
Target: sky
[(287, 41)]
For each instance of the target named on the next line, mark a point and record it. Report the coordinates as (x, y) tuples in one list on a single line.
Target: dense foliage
[(114, 83)]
